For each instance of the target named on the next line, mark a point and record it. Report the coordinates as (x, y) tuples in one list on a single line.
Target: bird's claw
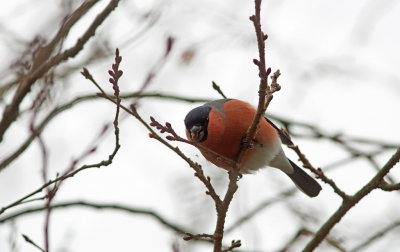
[(239, 177), (245, 144)]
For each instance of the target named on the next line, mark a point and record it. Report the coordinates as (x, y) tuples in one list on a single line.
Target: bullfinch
[(221, 126)]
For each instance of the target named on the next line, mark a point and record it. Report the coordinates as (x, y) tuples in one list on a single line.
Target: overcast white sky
[(340, 65)]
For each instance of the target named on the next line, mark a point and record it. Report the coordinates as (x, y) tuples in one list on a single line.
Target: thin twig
[(41, 96), (56, 111), (218, 89), (175, 137), (376, 236), (250, 214), (199, 172), (39, 69), (102, 206), (348, 203), (27, 239), (320, 174), (265, 96), (190, 236), (94, 205), (71, 172), (234, 244), (389, 187), (345, 142), (306, 232), (157, 67)]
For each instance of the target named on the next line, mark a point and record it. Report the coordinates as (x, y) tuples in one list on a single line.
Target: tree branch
[(101, 206), (42, 64), (87, 204), (348, 203), (320, 174), (389, 187), (250, 214), (305, 232), (40, 127), (115, 74), (376, 236), (28, 240)]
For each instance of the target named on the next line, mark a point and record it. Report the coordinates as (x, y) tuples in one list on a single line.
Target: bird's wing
[(282, 136)]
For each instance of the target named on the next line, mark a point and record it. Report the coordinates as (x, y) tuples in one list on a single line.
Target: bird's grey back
[(218, 104)]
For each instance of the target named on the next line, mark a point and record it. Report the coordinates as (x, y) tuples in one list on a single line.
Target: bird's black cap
[(196, 122), (197, 116)]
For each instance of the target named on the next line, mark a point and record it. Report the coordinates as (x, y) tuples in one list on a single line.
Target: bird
[(221, 127)]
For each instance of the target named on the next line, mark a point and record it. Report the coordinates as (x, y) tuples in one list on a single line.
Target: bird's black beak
[(197, 133)]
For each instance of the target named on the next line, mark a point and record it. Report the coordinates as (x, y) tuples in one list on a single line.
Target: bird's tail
[(304, 182)]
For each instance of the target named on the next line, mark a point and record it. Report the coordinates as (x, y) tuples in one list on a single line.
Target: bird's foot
[(239, 177), (246, 144)]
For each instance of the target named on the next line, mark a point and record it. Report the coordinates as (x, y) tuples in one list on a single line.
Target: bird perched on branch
[(221, 126)]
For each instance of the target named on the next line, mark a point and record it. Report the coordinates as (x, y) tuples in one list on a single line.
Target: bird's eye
[(207, 119)]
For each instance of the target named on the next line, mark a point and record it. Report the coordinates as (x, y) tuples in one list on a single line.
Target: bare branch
[(218, 89), (320, 174), (43, 63), (389, 187), (123, 208), (376, 236), (116, 74), (348, 203), (175, 137), (265, 96), (38, 129), (28, 240), (102, 206), (190, 236), (234, 244), (250, 214), (306, 232), (157, 67)]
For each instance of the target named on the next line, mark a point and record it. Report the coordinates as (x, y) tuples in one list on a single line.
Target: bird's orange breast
[(226, 130)]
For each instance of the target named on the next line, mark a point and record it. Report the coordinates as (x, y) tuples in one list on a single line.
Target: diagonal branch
[(39, 128), (348, 203), (198, 170), (87, 204), (376, 236), (218, 89), (28, 240), (175, 137), (320, 174), (305, 232), (115, 74), (44, 64), (101, 206), (250, 214)]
